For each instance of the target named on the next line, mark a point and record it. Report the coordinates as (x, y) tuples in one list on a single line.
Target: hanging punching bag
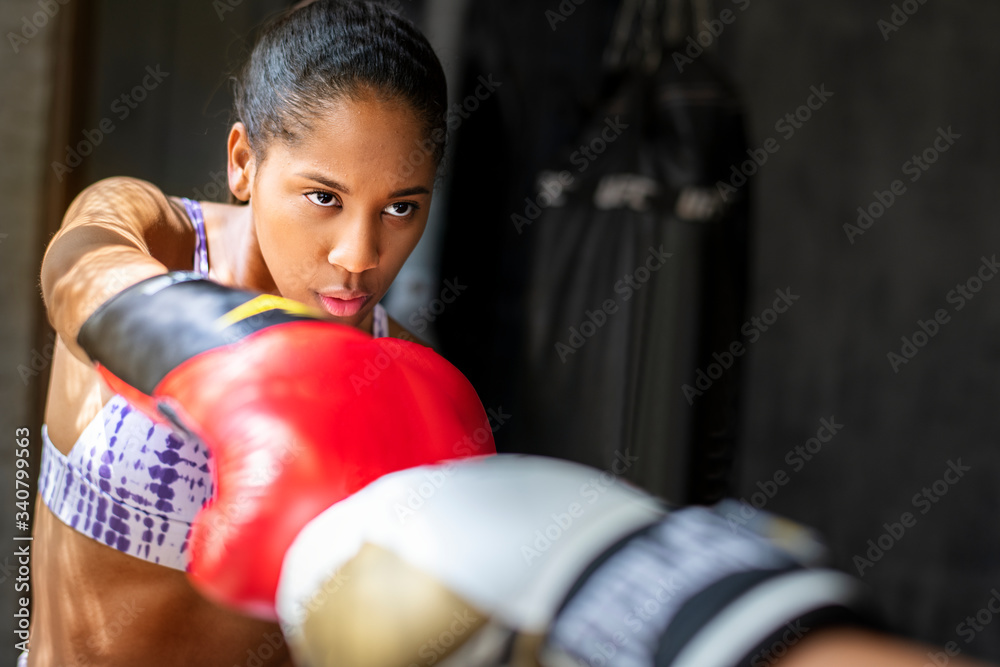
[(638, 275)]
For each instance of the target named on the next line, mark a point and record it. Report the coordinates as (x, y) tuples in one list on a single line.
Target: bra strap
[(380, 322), (201, 243)]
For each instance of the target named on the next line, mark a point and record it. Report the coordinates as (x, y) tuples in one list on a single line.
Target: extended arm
[(115, 233)]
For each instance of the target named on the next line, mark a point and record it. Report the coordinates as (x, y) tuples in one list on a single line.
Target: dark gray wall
[(827, 357), (173, 132), (25, 91)]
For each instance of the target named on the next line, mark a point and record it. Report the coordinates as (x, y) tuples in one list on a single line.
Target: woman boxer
[(340, 126)]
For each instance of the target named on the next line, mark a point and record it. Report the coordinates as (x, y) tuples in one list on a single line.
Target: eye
[(325, 199), (401, 209)]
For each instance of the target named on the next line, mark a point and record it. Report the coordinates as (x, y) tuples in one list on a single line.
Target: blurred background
[(726, 247)]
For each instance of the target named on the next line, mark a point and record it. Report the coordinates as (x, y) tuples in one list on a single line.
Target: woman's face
[(337, 213)]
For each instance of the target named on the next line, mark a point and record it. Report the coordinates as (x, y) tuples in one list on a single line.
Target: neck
[(368, 324), (247, 266)]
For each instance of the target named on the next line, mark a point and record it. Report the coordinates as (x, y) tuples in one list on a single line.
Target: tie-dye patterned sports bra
[(131, 483)]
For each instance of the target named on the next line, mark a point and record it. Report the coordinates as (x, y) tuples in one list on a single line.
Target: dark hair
[(331, 49)]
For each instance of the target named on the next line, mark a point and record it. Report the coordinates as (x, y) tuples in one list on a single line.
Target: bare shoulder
[(124, 195), (397, 330), (138, 210)]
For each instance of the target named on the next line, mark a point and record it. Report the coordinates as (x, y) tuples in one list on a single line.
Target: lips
[(344, 304)]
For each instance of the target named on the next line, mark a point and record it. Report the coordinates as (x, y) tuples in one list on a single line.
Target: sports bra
[(132, 483)]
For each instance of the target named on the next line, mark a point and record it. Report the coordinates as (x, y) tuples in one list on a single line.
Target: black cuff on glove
[(148, 329)]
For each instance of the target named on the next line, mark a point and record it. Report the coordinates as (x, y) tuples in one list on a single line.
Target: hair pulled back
[(327, 50)]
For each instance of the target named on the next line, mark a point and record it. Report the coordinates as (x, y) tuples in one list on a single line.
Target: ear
[(241, 162)]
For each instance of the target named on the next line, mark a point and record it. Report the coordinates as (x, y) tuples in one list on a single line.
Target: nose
[(355, 247)]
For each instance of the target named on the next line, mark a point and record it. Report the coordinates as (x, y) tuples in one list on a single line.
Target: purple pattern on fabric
[(380, 322), (201, 243), (149, 463)]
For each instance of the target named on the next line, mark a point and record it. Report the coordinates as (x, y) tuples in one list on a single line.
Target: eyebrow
[(334, 185)]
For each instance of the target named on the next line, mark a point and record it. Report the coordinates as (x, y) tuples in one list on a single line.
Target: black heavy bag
[(638, 282)]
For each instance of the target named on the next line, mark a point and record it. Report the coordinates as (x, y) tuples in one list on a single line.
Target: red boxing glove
[(298, 413)]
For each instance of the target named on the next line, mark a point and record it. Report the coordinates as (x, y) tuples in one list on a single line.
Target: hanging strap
[(650, 39), (635, 41), (673, 24), (679, 12), (701, 10), (615, 53)]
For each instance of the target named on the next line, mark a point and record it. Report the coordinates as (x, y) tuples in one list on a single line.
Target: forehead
[(361, 140)]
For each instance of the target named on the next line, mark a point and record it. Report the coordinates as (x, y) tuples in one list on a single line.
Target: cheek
[(288, 253), (401, 244)]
